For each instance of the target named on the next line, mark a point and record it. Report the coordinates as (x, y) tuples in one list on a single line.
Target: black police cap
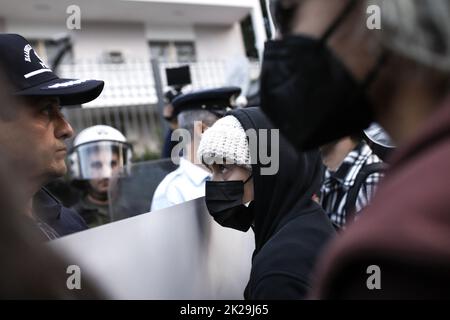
[(218, 101), (29, 76)]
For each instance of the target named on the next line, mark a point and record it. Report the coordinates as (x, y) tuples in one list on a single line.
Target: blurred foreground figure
[(28, 269), (398, 75), (99, 153), (33, 131)]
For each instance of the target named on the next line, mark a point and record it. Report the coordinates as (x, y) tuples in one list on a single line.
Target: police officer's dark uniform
[(52, 218), (217, 101), (29, 76), (93, 214)]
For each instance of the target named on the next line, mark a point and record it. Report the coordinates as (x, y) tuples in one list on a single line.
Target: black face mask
[(224, 203), (309, 93)]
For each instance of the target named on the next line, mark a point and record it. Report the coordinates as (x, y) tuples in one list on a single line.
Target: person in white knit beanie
[(289, 227), (224, 149), (225, 142)]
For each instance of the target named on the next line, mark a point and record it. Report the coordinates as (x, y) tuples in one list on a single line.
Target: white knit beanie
[(225, 140)]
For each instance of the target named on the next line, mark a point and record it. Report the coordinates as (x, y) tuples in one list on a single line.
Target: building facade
[(117, 40)]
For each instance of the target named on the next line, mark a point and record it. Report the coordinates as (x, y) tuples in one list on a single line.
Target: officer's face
[(232, 172), (32, 135), (102, 163)]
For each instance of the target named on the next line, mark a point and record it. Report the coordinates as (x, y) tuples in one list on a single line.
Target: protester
[(290, 228), (352, 174), (170, 117), (403, 69)]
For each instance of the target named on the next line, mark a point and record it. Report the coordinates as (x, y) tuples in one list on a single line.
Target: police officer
[(33, 131), (170, 117), (99, 153), (195, 112)]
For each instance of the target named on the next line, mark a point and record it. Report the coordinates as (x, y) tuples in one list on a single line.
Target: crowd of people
[(325, 197)]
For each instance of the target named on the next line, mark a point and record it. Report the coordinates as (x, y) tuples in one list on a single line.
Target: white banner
[(175, 253)]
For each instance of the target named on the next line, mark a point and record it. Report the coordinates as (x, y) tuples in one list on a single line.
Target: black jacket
[(94, 215), (290, 228), (49, 212)]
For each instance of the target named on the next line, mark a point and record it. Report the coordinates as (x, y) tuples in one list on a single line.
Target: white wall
[(93, 39), (2, 25), (96, 38), (213, 42), (233, 3), (35, 30), (170, 33)]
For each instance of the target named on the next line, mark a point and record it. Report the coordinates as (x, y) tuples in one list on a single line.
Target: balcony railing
[(129, 100)]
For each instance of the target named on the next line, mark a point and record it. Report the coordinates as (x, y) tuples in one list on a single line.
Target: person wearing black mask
[(290, 228), (306, 84)]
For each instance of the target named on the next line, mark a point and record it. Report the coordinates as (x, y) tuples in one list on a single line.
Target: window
[(177, 51), (160, 50), (248, 34), (185, 51)]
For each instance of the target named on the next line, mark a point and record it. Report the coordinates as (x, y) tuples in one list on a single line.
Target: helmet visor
[(376, 134), (99, 160)]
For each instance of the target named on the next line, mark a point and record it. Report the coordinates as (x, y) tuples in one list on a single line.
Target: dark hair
[(95, 149)]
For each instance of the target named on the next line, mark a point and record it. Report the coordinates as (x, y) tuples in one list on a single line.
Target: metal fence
[(139, 123), (129, 101)]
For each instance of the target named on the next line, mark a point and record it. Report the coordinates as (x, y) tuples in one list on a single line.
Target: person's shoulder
[(170, 178), (292, 251), (71, 221), (312, 224), (81, 205), (282, 268), (169, 184), (64, 220), (278, 286), (167, 193)]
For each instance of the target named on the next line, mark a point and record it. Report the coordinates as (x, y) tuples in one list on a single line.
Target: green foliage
[(147, 155)]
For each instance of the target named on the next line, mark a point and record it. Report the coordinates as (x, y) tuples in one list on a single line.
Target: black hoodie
[(290, 228)]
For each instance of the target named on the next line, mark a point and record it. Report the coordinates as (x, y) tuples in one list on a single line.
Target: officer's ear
[(11, 105), (199, 128), (204, 127)]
